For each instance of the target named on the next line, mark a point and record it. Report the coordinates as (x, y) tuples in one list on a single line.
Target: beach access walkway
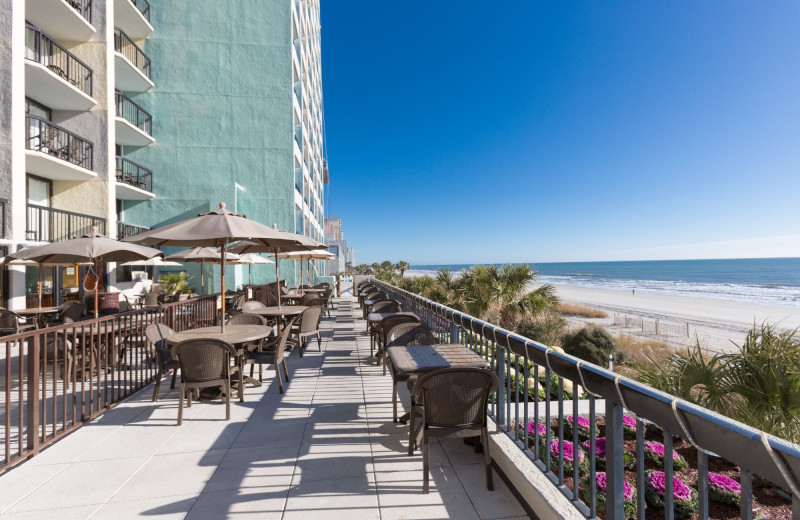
[(326, 448)]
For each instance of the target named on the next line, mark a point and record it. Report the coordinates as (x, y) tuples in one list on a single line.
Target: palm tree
[(502, 294), (402, 266)]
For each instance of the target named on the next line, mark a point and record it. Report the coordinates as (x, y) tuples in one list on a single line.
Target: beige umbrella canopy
[(93, 248), (315, 254), (249, 259), (202, 256), (216, 228), (303, 244)]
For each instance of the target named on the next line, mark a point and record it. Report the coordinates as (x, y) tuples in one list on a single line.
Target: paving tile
[(499, 503), (62, 513), (167, 507), (265, 468), (237, 503), (346, 498), (400, 495), (25, 479), (173, 474)]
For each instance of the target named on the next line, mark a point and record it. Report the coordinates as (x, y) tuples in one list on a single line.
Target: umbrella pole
[(277, 277), (222, 322), (301, 271), (40, 286), (96, 287), (202, 286), (250, 274)]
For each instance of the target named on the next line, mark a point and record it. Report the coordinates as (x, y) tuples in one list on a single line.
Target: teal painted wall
[(222, 113)]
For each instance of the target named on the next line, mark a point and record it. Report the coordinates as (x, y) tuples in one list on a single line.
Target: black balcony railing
[(134, 114), (84, 8), (45, 224), (125, 46), (144, 7), (134, 174), (125, 230), (40, 48), (44, 136)]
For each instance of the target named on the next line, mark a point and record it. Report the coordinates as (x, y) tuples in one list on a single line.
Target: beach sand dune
[(718, 324)]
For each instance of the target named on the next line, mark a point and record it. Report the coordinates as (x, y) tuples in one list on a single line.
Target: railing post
[(453, 333), (500, 408), (615, 463), (32, 423)]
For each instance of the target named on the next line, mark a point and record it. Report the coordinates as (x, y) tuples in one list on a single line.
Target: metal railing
[(47, 137), (125, 46), (39, 47), (55, 379), (45, 224), (84, 8), (534, 398), (134, 174), (133, 113), (144, 7), (125, 230)]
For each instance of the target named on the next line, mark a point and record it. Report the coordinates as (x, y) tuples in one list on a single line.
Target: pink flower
[(583, 422), (600, 479), (628, 421), (599, 447), (658, 449), (680, 490), (569, 450), (726, 483), (533, 426)]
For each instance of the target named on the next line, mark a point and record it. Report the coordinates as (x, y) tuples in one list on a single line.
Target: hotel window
[(37, 109)]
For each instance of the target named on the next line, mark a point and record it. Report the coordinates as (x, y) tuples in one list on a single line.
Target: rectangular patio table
[(408, 362)]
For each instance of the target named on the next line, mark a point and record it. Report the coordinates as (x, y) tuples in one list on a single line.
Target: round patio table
[(233, 334), (273, 312), (38, 314)]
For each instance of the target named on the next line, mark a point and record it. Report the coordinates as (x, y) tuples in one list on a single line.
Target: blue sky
[(466, 132)]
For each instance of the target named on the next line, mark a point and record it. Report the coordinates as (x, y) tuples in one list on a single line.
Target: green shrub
[(592, 344), (176, 282)]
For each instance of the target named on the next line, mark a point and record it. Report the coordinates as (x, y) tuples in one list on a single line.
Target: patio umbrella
[(315, 254), (303, 243), (94, 248), (216, 228), (200, 255), (249, 259)]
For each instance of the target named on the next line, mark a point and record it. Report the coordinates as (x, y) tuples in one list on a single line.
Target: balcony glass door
[(39, 192)]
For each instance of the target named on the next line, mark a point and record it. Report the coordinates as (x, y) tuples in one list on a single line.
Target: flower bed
[(685, 498), (629, 426), (724, 489), (600, 454), (629, 494), (654, 451)]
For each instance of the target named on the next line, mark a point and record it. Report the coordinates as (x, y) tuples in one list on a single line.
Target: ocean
[(766, 281)]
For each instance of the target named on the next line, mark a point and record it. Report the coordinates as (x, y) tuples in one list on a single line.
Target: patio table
[(38, 314), (413, 361), (234, 334), (281, 313)]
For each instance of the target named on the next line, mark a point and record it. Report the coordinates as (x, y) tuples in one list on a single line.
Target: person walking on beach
[(633, 291)]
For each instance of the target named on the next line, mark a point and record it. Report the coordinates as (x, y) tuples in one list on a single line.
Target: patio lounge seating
[(204, 363), (453, 403), (306, 325)]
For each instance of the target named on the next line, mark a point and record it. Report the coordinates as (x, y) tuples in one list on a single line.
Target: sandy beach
[(716, 323)]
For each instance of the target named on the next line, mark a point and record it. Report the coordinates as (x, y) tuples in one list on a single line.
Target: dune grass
[(566, 309)]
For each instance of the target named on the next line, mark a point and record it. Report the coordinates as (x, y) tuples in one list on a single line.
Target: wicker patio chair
[(452, 403), (307, 325), (311, 299), (408, 335), (383, 328), (327, 297), (204, 363), (246, 319), (305, 286), (157, 333), (12, 323), (152, 299), (253, 305), (272, 353)]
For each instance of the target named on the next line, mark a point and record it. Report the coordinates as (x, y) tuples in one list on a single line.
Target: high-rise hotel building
[(131, 114)]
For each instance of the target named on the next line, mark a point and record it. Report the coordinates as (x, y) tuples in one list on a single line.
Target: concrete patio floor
[(326, 448)]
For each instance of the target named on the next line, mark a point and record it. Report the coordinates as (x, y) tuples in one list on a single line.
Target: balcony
[(131, 64), (44, 224), (56, 153), (134, 181), (64, 20), (134, 125), (133, 17), (125, 229), (54, 76)]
